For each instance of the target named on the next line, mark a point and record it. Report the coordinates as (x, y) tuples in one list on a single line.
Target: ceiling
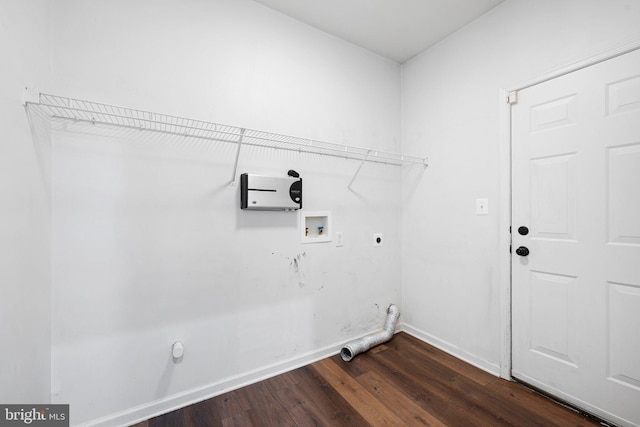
[(395, 29)]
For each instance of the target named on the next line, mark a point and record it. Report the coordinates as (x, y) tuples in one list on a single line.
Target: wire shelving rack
[(59, 107)]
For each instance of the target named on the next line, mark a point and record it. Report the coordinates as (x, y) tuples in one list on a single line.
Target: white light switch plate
[(482, 206)]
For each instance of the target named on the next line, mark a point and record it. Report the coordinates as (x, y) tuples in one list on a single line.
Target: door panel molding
[(504, 219), (604, 110)]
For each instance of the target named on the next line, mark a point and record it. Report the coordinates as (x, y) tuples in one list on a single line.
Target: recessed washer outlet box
[(315, 226), (270, 193)]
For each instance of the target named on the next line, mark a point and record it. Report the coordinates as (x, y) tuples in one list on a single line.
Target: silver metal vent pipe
[(355, 347)]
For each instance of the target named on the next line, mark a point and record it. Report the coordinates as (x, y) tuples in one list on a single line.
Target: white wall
[(450, 110), (25, 359), (149, 243)]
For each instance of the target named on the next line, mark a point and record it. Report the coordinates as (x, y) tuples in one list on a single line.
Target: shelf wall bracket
[(364, 159), (235, 164)]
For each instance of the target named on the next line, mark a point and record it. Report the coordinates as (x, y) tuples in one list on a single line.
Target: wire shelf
[(59, 107)]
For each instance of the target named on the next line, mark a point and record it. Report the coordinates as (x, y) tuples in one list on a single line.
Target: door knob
[(522, 251)]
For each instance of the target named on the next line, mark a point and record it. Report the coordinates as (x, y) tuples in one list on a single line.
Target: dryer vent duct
[(355, 347)]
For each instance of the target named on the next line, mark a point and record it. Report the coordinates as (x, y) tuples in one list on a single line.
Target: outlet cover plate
[(482, 206)]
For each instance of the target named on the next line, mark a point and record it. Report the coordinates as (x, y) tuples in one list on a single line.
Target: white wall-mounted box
[(270, 193), (315, 227)]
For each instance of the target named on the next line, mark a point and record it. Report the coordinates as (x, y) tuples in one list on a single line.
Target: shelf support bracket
[(364, 159), (235, 165)]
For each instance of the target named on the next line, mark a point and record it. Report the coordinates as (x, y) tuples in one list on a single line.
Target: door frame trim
[(504, 219)]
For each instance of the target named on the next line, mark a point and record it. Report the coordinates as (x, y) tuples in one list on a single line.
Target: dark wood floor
[(404, 382)]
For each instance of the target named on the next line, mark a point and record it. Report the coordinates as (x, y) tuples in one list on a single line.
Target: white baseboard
[(180, 400), (485, 365), (176, 401)]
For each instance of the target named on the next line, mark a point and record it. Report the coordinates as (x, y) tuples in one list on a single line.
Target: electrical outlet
[(377, 239), (339, 241)]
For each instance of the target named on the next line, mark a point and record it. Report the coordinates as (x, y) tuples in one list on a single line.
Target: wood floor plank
[(468, 401), (460, 366), (367, 405), (552, 414), (242, 419), (435, 396), (328, 401), (301, 406), (405, 408), (231, 403), (202, 414), (500, 407), (403, 382), (471, 395), (264, 407), (303, 409), (282, 381), (172, 419)]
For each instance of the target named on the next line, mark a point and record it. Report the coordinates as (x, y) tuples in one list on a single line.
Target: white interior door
[(576, 187)]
